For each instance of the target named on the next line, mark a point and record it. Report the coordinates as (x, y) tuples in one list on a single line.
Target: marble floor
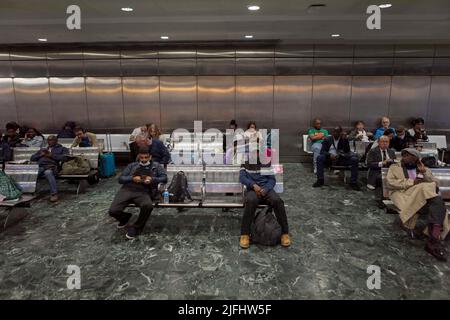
[(336, 232)]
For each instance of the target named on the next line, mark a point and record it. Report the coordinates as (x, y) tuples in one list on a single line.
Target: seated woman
[(359, 133), (153, 131), (5, 151), (84, 139), (33, 139), (141, 132), (414, 189), (418, 130)]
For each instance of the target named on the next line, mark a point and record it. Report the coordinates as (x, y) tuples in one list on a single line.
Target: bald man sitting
[(379, 157)]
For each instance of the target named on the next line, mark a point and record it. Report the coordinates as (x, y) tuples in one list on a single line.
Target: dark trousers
[(351, 161), (435, 210), (125, 197), (251, 204), (134, 151)]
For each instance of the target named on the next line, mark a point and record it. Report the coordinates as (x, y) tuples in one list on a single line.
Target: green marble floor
[(336, 232)]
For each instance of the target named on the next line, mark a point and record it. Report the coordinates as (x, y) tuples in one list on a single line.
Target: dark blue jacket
[(158, 174), (248, 178), (58, 154), (159, 152)]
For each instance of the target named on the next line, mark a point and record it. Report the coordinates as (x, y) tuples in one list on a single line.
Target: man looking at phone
[(414, 190), (139, 183)]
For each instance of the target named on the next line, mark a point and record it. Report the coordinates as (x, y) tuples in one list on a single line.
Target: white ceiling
[(407, 21)]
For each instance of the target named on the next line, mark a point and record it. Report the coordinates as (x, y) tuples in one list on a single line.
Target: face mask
[(144, 163)]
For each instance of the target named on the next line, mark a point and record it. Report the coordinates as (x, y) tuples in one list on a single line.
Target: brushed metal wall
[(284, 87)]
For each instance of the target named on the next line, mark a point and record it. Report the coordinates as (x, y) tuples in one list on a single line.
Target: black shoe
[(436, 249), (123, 223), (318, 183), (131, 233), (355, 186)]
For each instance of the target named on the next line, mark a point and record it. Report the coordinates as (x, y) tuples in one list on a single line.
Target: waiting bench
[(441, 174), (23, 154), (210, 184), (25, 176)]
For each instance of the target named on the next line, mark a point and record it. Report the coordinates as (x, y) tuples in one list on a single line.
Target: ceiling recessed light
[(42, 39), (249, 36), (385, 5), (335, 35), (253, 8), (164, 37), (127, 9)]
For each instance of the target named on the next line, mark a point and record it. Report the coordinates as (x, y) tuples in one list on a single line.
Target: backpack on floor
[(265, 228), (8, 188), (178, 188), (76, 166)]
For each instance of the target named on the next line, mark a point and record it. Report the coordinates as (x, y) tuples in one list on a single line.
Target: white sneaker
[(370, 187)]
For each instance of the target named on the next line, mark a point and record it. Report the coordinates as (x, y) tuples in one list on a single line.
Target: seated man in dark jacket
[(260, 190), (139, 181), (49, 160), (379, 157), (12, 137), (156, 148), (336, 149), (403, 139)]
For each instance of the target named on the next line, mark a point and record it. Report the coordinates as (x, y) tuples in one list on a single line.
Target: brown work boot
[(285, 240), (244, 241), (434, 245), (54, 198)]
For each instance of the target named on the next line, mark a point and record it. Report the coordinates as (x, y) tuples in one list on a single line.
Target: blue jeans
[(315, 148), (351, 161), (49, 174)]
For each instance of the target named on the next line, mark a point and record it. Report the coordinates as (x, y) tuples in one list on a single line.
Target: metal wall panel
[(8, 110), (216, 101), (409, 98), (442, 51), (412, 66), (370, 51), (102, 68), (441, 66), (254, 100), (33, 103), (5, 69), (4, 54), (178, 101), (68, 96), (215, 53), (372, 66), (216, 66), (333, 51), (139, 67), (331, 100), (292, 109), (439, 108), (414, 50), (104, 101), (370, 99), (293, 66), (65, 68), (333, 66), (29, 68), (141, 101), (255, 53), (291, 51), (138, 54), (176, 67), (255, 66)]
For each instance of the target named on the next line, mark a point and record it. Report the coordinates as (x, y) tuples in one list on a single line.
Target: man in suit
[(379, 157), (336, 149)]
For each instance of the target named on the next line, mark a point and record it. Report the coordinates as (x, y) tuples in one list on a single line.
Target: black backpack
[(265, 228), (178, 188)]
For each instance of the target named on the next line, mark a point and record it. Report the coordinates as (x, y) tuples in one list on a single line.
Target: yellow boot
[(285, 240), (244, 242)]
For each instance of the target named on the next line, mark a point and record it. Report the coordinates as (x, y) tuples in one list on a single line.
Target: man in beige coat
[(414, 189)]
